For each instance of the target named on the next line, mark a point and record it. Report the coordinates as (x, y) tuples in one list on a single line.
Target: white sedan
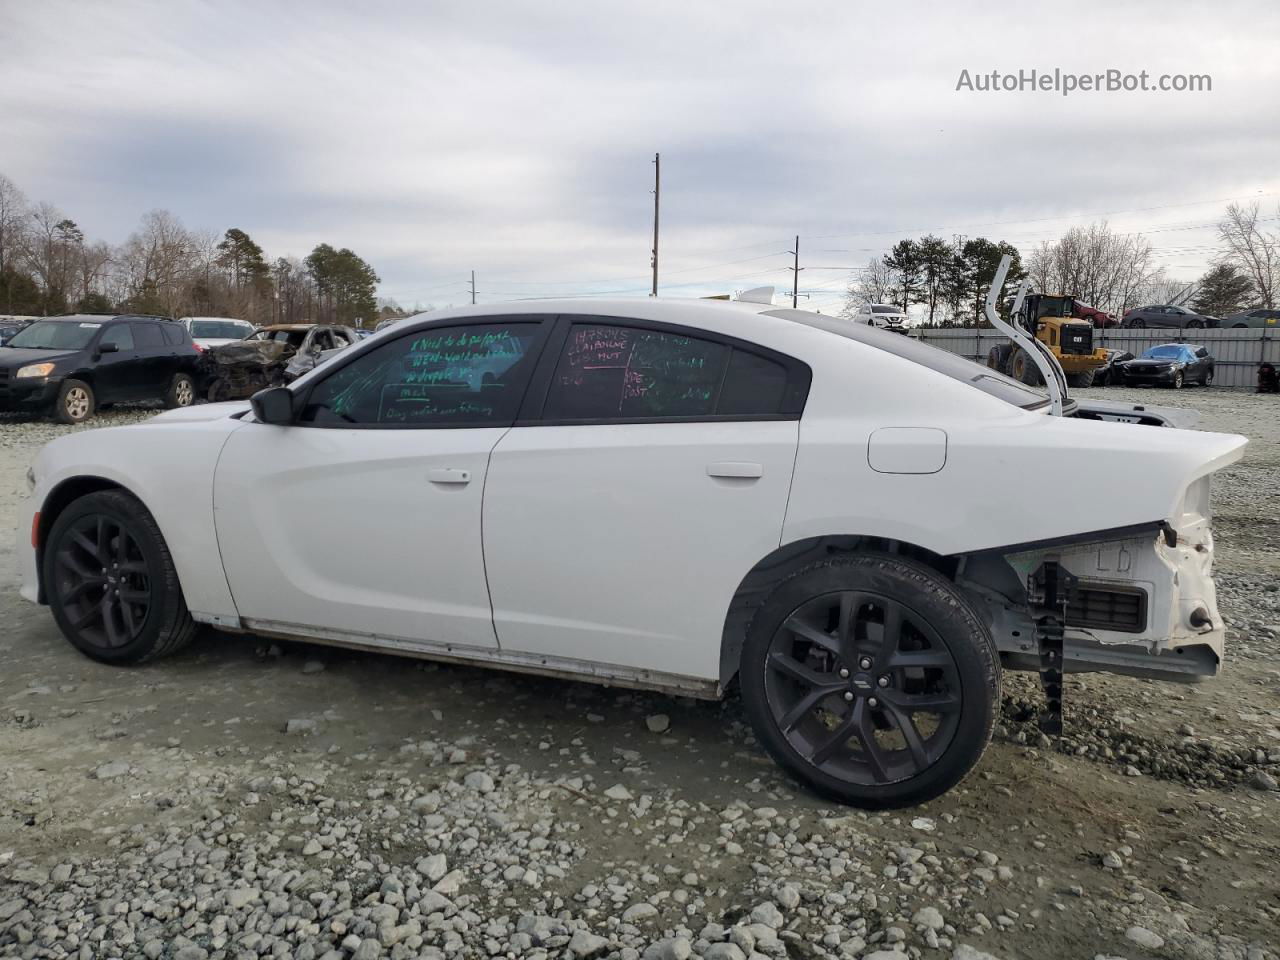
[(858, 528)]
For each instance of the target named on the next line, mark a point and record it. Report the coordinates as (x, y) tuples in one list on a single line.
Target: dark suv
[(69, 366)]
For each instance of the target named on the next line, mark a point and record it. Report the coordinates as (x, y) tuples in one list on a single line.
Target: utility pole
[(795, 274), (473, 288), (657, 186)]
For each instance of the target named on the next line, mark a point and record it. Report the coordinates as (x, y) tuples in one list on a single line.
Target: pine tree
[(1224, 290), (904, 261)]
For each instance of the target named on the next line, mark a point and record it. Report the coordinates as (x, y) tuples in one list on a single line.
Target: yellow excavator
[(1051, 319)]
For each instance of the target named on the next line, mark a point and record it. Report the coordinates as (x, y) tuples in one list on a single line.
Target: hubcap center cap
[(863, 682)]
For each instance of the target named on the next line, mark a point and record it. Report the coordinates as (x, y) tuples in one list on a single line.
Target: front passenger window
[(452, 376), (120, 336)]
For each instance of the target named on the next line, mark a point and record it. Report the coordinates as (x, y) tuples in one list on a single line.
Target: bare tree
[(872, 284), (159, 260), (1104, 269), (1251, 248), (13, 216)]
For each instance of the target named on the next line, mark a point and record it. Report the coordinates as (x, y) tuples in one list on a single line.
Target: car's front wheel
[(1178, 380), (1138, 324), (111, 583), (871, 679), (75, 403)]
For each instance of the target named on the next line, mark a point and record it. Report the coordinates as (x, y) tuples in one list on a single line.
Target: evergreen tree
[(935, 258), (908, 270), (1224, 290), (242, 259)]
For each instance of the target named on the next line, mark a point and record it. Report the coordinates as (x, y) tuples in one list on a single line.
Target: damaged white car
[(677, 496)]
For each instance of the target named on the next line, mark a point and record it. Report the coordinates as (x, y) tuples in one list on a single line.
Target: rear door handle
[(448, 475), (741, 469)]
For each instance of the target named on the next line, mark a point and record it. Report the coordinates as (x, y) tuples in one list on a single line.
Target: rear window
[(220, 329), (935, 358)]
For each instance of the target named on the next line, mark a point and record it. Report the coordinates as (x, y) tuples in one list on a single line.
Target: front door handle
[(448, 475), (739, 469)]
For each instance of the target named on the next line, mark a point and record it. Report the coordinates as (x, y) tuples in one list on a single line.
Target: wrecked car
[(677, 496), (270, 356)]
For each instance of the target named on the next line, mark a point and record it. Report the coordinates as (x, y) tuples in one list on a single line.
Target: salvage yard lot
[(422, 810)]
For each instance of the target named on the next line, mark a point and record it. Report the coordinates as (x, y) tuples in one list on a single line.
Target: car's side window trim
[(541, 322), (799, 374)]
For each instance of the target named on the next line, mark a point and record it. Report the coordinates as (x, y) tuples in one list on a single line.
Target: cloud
[(517, 140)]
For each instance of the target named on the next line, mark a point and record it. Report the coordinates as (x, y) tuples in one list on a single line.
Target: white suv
[(887, 316)]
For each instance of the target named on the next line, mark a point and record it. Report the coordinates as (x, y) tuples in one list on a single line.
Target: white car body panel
[(362, 531), (644, 538), (622, 566)]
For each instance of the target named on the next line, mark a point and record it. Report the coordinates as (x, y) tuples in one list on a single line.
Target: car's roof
[(291, 326), (220, 319), (101, 317), (660, 309)]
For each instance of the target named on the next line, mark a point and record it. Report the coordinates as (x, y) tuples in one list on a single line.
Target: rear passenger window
[(611, 373), (147, 335), (174, 334), (754, 386), (620, 373)]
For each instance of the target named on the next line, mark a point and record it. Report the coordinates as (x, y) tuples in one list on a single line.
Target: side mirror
[(273, 405), (108, 348)]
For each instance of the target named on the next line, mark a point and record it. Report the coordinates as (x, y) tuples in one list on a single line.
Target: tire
[(1178, 380), (1195, 324), (1023, 368), (1207, 379), (218, 391), (131, 612), (1138, 324), (181, 393), (801, 693), (75, 403), (1239, 326), (1082, 379), (998, 357)]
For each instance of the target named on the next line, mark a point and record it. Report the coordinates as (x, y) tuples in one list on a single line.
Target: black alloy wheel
[(871, 679), (111, 583), (863, 688)]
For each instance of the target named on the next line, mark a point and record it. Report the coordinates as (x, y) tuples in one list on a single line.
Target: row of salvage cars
[(683, 496), (70, 367)]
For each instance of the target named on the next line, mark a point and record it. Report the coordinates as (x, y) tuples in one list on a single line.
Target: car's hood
[(14, 357), (1150, 362), (200, 413)]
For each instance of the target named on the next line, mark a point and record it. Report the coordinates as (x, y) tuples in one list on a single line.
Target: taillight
[(35, 530), (199, 349)]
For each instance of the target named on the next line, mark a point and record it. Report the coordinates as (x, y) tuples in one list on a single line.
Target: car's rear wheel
[(111, 583), (182, 391), (1195, 324), (75, 402), (871, 679)]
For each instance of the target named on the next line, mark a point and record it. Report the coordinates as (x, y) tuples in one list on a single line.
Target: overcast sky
[(516, 139)]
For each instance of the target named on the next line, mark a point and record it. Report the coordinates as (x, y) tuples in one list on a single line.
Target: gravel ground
[(244, 799)]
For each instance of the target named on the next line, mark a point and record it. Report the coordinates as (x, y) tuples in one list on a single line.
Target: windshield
[(1168, 352), (55, 335), (935, 358), (292, 337), (220, 329)]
